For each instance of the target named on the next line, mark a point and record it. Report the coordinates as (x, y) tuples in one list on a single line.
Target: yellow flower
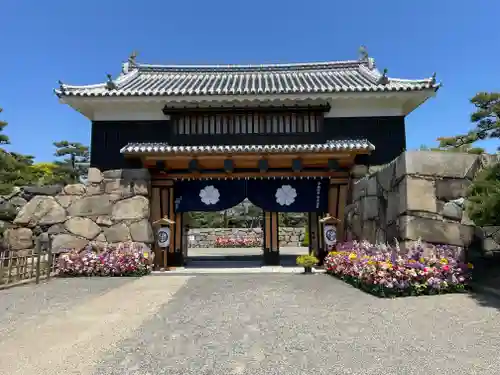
[(443, 261), (470, 265), (421, 260), (352, 256)]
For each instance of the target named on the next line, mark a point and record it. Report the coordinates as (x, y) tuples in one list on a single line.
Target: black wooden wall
[(386, 133), (108, 137)]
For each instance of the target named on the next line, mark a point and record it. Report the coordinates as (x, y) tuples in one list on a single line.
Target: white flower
[(209, 195), (286, 195)]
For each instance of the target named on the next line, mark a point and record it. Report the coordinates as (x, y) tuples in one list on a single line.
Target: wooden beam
[(317, 174), (341, 211), (218, 109), (160, 183), (159, 156)]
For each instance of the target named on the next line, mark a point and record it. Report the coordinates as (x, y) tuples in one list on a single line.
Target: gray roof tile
[(165, 148), (189, 80)]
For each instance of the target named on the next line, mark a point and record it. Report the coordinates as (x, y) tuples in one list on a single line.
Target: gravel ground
[(266, 324), (37, 302)]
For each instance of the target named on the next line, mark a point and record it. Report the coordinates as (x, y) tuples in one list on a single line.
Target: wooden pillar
[(163, 206), (155, 216), (271, 238), (343, 190), (337, 200), (313, 229)]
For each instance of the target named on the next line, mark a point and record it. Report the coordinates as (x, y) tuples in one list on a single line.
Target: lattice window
[(247, 123)]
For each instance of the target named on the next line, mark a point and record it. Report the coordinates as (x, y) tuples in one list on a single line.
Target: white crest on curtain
[(209, 195), (286, 195)]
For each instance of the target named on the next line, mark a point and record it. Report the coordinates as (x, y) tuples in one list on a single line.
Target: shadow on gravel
[(486, 282), (236, 261)]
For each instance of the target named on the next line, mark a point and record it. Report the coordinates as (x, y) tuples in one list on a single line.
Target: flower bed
[(125, 259), (383, 271), (238, 242)]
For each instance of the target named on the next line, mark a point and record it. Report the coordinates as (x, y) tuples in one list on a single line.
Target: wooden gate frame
[(163, 208)]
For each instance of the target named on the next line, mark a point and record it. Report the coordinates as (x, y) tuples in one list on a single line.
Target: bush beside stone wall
[(206, 237), (421, 194), (113, 207)]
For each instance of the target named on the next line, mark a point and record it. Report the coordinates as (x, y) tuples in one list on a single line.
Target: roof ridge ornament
[(433, 78), (110, 84), (363, 53), (383, 80), (132, 58), (130, 63)]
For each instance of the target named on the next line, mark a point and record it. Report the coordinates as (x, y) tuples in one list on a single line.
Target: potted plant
[(307, 261)]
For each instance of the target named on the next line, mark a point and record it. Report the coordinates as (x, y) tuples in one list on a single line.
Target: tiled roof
[(177, 80), (164, 148)]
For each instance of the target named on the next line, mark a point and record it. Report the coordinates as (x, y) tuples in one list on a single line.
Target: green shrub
[(307, 260), (305, 241), (483, 197)]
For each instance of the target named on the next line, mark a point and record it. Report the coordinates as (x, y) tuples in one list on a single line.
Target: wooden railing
[(23, 266)]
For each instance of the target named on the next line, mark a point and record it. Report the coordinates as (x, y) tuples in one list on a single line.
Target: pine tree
[(486, 119), (14, 167), (74, 166), (4, 140)]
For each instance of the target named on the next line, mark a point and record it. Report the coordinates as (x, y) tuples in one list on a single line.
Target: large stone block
[(140, 187), (417, 194), (75, 189), (127, 174), (7, 211), (50, 190), (448, 189), (19, 238), (442, 164), (18, 202), (386, 178), (141, 231), (41, 210), (134, 208), (435, 231), (94, 176), (67, 242), (66, 200), (117, 233), (452, 210), (83, 227), (92, 206), (95, 189), (118, 187), (370, 208)]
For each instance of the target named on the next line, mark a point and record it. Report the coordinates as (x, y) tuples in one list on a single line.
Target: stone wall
[(205, 237), (420, 195), (113, 207)]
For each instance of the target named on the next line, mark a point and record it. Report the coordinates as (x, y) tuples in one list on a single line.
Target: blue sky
[(79, 42)]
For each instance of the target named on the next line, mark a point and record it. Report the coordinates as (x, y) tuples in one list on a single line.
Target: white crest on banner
[(209, 195), (163, 237), (330, 233), (286, 195)]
